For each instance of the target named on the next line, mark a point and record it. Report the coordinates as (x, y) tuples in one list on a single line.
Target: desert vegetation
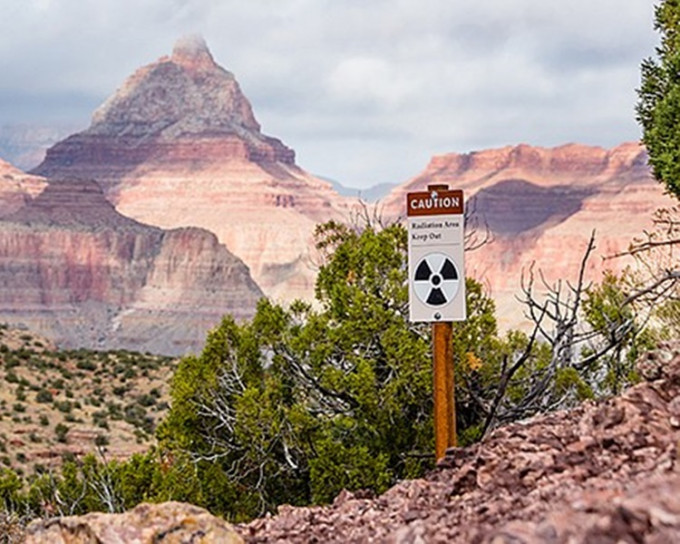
[(62, 409), (59, 403)]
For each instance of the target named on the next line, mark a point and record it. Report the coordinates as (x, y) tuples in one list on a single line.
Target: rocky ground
[(605, 472)]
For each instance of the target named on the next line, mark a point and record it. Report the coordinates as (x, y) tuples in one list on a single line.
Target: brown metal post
[(444, 401)]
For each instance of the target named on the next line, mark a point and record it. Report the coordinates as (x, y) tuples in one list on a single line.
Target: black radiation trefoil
[(423, 272), (436, 298), (436, 280)]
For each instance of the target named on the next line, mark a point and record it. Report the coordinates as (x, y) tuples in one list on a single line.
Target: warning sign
[(435, 253)]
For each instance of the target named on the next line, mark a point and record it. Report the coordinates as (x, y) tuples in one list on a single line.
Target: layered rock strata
[(178, 145), (74, 269), (541, 206), (17, 188)]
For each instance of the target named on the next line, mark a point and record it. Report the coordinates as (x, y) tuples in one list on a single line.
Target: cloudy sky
[(365, 91)]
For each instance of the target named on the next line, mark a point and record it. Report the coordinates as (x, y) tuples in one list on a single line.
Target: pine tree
[(658, 108)]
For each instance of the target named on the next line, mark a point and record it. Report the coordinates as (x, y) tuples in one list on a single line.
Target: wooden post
[(444, 401)]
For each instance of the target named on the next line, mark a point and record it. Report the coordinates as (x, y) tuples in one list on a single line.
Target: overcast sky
[(365, 91)]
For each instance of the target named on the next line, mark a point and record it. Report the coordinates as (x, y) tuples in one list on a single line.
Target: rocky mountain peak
[(192, 52), (184, 94), (181, 109)]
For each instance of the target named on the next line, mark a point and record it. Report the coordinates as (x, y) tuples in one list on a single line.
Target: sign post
[(444, 399), (437, 290)]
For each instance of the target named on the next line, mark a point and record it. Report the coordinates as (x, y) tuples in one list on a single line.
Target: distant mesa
[(17, 188), (24, 145)]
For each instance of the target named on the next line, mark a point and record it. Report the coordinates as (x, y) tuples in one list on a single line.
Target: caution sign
[(435, 252)]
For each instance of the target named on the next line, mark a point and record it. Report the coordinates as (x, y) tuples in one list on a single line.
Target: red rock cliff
[(16, 188), (74, 269)]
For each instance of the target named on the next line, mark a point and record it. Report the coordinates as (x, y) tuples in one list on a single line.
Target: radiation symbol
[(436, 280)]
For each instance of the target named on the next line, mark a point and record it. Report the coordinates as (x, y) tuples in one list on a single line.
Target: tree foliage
[(300, 403), (658, 108)]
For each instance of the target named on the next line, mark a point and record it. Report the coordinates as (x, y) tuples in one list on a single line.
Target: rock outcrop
[(603, 472), (17, 188), (541, 205), (178, 145), (167, 523), (77, 271)]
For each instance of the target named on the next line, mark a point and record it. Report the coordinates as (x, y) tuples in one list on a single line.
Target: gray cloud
[(365, 92)]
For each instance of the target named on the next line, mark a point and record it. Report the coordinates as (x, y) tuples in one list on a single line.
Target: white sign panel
[(435, 256)]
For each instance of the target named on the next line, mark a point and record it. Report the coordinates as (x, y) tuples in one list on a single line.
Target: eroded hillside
[(57, 404)]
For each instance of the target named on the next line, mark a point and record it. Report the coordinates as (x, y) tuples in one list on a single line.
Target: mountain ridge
[(537, 205)]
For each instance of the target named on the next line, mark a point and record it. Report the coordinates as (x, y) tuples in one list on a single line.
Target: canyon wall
[(74, 269), (178, 145)]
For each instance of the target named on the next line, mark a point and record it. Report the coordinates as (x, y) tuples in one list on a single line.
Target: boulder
[(166, 523)]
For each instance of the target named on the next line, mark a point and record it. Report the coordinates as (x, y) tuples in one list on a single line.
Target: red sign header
[(435, 202)]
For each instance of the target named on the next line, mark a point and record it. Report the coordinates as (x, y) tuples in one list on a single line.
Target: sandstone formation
[(77, 271), (604, 472), (17, 188), (167, 523), (178, 145), (541, 206)]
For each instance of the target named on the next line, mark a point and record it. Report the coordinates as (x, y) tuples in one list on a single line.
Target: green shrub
[(44, 396), (86, 364), (61, 431), (146, 400), (64, 406), (120, 391), (20, 393)]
